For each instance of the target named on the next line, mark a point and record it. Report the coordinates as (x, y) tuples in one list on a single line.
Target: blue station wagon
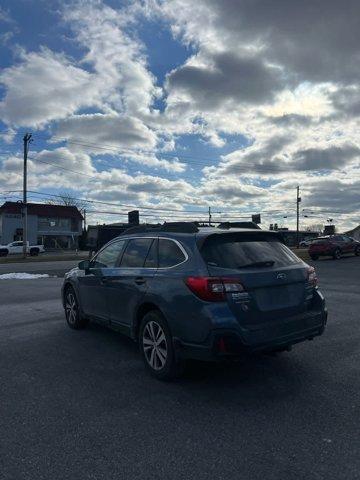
[(185, 292)]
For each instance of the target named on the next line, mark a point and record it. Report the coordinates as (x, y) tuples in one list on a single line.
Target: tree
[(316, 227), (64, 198)]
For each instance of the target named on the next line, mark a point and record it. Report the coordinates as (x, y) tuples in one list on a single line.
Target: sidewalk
[(46, 257)]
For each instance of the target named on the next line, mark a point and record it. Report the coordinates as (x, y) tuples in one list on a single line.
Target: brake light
[(312, 278), (213, 289)]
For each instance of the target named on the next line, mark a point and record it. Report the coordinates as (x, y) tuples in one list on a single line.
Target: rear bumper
[(222, 343)]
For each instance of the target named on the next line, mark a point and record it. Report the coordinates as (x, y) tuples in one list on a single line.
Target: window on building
[(74, 224), (64, 223)]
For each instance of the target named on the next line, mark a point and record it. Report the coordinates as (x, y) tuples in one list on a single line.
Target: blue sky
[(175, 105)]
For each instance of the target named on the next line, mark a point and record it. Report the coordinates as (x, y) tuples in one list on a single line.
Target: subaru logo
[(281, 276)]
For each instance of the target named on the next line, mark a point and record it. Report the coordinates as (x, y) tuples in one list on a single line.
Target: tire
[(72, 311), (357, 251), (337, 254), (156, 347), (3, 253), (34, 252), (314, 257)]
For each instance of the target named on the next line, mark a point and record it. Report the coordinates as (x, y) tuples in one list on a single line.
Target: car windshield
[(237, 251)]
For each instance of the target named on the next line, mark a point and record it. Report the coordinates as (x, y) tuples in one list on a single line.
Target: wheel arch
[(141, 311)]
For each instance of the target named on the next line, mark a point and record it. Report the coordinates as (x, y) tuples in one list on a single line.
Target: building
[(98, 235), (354, 233), (54, 226)]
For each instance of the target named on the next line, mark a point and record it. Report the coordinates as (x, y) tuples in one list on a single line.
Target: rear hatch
[(273, 277)]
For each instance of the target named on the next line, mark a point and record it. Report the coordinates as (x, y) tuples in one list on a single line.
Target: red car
[(334, 246)]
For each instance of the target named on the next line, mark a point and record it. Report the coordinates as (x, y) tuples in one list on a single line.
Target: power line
[(193, 161), (115, 204), (62, 168), (230, 214), (198, 161)]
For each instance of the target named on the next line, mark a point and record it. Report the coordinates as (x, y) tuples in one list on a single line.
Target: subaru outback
[(184, 292)]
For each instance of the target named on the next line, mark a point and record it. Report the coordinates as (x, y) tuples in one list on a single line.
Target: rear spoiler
[(241, 233)]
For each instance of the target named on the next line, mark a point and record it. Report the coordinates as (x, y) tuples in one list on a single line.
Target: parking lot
[(79, 404)]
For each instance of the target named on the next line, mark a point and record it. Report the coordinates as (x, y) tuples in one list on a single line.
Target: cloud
[(346, 101), (281, 74), (116, 56), (5, 16), (328, 158), (112, 75), (118, 132), (308, 37), (227, 79), (44, 86)]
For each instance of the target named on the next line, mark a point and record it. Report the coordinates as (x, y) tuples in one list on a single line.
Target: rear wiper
[(264, 263)]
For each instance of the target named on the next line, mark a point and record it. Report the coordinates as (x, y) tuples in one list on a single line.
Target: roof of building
[(43, 210), (353, 230)]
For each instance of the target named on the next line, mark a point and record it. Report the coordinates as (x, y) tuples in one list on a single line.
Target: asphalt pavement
[(54, 268), (79, 404)]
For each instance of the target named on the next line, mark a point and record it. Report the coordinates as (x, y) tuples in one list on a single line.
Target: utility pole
[(26, 139), (298, 200), (209, 216)]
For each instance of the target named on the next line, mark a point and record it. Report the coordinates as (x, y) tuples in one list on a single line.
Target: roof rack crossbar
[(175, 227)]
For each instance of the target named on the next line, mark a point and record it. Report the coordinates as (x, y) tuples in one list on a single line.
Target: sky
[(177, 106)]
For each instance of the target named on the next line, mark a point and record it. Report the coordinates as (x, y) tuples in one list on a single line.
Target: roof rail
[(229, 225), (175, 227)]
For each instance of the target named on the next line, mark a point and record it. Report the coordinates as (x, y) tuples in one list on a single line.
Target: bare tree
[(316, 227), (64, 198)]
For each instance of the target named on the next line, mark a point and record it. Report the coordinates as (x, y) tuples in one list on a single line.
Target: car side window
[(346, 239), (109, 256), (136, 252), (152, 257), (170, 253)]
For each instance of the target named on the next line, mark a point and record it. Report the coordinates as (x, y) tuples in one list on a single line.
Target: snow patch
[(22, 276)]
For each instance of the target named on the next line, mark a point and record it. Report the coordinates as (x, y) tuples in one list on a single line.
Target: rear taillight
[(213, 289), (312, 278)]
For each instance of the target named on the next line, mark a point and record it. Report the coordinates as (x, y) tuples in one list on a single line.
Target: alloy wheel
[(154, 345), (71, 308)]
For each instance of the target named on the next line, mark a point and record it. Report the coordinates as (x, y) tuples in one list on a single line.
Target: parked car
[(201, 293), (334, 246), (17, 247), (306, 243)]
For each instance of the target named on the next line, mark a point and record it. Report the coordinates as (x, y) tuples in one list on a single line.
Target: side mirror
[(84, 265)]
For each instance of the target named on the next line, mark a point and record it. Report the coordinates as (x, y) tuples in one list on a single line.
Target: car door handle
[(140, 280)]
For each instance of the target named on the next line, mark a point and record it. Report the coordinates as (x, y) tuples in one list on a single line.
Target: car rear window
[(135, 252), (170, 253), (236, 251), (152, 257)]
